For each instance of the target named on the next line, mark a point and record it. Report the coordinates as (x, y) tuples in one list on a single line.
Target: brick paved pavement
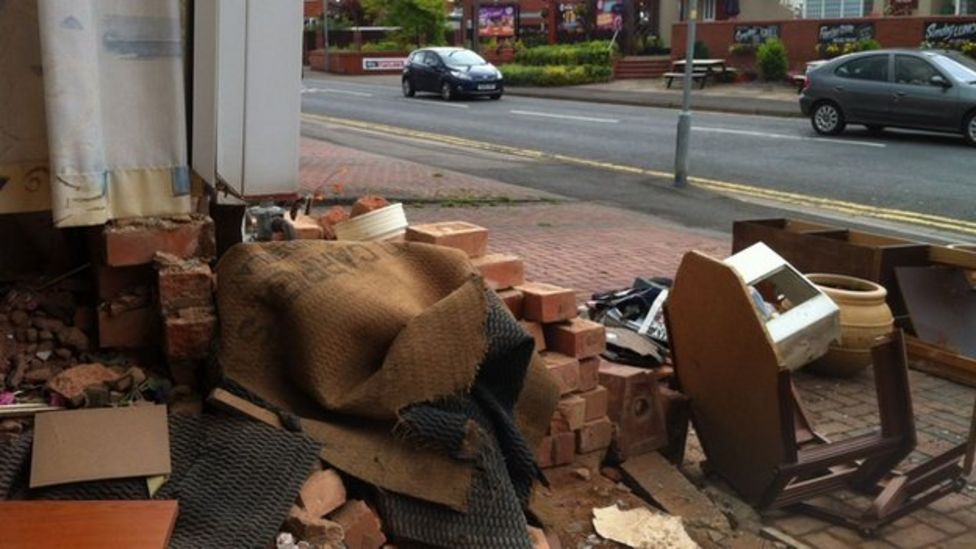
[(591, 247)]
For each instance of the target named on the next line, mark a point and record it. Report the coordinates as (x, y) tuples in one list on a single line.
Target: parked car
[(917, 89), (451, 72)]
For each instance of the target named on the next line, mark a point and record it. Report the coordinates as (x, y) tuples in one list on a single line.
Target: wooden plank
[(941, 362), (87, 524), (232, 403), (942, 306), (669, 488), (954, 257)]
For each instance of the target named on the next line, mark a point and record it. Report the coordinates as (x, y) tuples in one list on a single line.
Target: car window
[(461, 58), (959, 66), (432, 59), (873, 67), (913, 71), (417, 57)]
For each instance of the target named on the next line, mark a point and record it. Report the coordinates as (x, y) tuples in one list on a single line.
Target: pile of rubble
[(256, 432)]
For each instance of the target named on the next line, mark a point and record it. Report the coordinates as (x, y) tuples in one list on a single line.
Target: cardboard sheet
[(99, 444)]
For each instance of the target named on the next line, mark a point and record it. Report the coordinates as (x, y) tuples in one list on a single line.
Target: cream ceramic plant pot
[(864, 318)]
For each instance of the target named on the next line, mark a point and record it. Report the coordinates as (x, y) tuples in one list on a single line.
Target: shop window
[(827, 9), (708, 10)]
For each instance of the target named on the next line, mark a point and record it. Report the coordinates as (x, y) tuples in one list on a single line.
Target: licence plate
[(486, 86)]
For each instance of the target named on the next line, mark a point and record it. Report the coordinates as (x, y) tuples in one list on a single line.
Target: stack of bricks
[(569, 346), (129, 316)]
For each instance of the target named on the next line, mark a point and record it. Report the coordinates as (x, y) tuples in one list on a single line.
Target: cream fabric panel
[(114, 95), (23, 127)]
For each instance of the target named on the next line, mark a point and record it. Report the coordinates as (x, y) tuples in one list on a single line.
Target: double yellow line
[(723, 187)]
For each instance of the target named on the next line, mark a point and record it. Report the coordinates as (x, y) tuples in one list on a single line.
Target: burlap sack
[(346, 334)]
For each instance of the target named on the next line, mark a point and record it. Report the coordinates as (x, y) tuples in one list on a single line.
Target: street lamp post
[(684, 119)]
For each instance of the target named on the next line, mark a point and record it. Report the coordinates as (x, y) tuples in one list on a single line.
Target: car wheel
[(497, 96), (408, 90), (827, 119), (447, 93), (970, 129)]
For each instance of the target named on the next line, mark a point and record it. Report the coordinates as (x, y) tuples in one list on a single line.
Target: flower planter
[(864, 319)]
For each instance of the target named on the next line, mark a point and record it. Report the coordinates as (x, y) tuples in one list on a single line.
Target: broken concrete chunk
[(313, 529), (72, 382), (362, 526), (19, 318), (37, 376), (322, 493), (640, 527), (52, 325)]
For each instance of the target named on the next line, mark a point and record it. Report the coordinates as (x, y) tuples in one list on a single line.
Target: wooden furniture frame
[(752, 426)]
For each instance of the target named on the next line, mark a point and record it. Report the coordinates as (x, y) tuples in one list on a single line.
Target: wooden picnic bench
[(702, 69), (699, 76)]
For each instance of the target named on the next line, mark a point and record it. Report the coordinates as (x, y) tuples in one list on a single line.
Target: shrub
[(701, 50), (829, 51), (584, 53), (385, 45), (771, 60), (554, 75), (742, 49)]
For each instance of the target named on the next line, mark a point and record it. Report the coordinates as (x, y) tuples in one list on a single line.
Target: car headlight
[(461, 74)]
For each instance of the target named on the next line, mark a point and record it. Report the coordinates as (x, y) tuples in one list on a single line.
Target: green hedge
[(554, 75), (583, 53)]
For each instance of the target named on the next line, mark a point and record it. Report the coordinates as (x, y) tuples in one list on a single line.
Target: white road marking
[(567, 117), (333, 90), (790, 137), (439, 104)]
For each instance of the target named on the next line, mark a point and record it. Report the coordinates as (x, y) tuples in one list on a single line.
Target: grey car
[(917, 89)]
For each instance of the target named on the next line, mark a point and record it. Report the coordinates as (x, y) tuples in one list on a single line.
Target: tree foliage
[(421, 22)]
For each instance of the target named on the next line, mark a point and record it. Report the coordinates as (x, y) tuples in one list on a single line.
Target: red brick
[(312, 529), (595, 435), (545, 452), (589, 373), (332, 217), (513, 300), (596, 403), (361, 525), (558, 424), (114, 281), (564, 369), (184, 283), (547, 303), (307, 228), (466, 237), (189, 334), (501, 271), (368, 203), (577, 337), (572, 409), (130, 329), (322, 493), (563, 448), (635, 406), (136, 241), (71, 383), (535, 330)]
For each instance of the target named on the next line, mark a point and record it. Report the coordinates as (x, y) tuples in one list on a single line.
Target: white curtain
[(96, 109)]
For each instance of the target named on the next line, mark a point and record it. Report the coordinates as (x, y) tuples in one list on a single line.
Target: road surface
[(896, 176)]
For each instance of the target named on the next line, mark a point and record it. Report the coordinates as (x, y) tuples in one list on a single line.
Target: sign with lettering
[(946, 32), (755, 34), (845, 33), (384, 63)]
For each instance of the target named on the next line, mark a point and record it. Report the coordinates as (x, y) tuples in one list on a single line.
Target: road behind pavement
[(931, 177)]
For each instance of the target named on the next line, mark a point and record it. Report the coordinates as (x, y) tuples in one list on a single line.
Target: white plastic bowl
[(380, 224)]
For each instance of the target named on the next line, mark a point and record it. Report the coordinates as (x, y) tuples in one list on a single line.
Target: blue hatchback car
[(451, 72)]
